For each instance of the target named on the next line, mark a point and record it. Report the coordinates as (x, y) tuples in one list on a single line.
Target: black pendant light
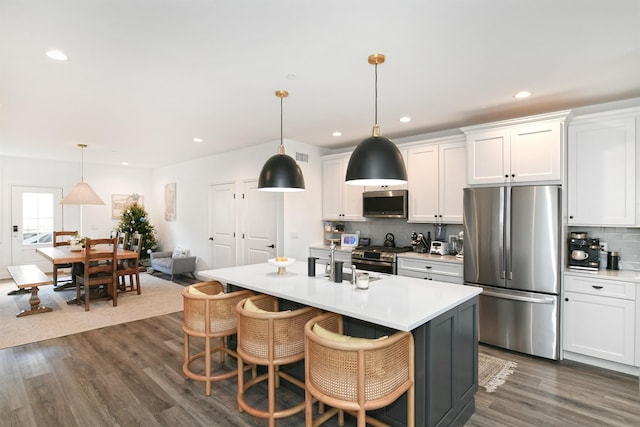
[(281, 173), (376, 161)]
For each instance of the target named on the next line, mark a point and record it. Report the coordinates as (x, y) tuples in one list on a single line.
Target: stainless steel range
[(382, 259)]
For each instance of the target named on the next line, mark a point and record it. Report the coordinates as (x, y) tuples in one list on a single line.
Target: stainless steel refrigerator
[(512, 250)]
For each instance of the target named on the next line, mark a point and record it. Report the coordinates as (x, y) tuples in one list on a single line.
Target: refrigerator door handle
[(540, 300), (507, 230), (501, 240)]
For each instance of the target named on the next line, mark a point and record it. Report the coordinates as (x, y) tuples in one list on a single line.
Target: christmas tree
[(134, 219)]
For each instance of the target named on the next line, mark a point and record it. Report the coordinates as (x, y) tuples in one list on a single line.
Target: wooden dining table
[(64, 255)]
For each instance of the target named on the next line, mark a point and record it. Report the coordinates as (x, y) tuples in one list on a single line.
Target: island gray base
[(446, 366)]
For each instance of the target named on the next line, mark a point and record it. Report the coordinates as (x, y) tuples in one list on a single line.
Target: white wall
[(301, 211), (301, 221), (105, 180)]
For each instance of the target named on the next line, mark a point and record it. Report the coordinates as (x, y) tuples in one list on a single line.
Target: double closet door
[(243, 224)]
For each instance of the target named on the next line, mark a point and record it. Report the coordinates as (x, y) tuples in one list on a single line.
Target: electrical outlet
[(603, 246)]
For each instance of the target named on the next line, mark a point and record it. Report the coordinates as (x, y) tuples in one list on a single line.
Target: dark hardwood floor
[(131, 375)]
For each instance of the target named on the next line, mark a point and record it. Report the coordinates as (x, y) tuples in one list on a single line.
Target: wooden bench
[(30, 276)]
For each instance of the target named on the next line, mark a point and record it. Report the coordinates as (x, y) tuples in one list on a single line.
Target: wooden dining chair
[(61, 238), (100, 257), (122, 241), (129, 267)]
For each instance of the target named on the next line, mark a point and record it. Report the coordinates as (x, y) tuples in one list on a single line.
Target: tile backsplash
[(625, 241), (376, 229)]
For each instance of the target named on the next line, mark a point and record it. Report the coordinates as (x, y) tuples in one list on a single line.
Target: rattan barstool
[(209, 313), (271, 338), (355, 375)]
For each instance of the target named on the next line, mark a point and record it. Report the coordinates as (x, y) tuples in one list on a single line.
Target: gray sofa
[(165, 262)]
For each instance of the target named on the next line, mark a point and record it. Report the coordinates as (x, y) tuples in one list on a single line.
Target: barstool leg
[(186, 351), (240, 381), (207, 365), (272, 394)]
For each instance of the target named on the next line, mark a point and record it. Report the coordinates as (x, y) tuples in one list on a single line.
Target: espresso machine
[(418, 243), (584, 252)]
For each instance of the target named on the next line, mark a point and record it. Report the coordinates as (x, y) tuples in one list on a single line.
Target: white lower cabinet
[(427, 269), (638, 330), (599, 318)]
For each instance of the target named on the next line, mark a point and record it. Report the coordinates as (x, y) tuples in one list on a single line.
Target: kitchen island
[(442, 317)]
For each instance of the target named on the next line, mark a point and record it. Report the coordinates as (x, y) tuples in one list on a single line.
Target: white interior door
[(259, 227), (222, 225), (35, 213)]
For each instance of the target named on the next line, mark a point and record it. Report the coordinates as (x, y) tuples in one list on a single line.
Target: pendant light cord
[(376, 96), (82, 146), (281, 94), (376, 59)]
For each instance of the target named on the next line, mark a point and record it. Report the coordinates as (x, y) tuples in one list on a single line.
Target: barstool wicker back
[(271, 338), (356, 375), (209, 313)]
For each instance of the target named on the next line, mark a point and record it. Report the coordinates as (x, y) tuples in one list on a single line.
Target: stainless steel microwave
[(385, 204)]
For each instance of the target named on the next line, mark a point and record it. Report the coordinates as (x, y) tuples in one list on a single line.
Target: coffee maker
[(584, 253)]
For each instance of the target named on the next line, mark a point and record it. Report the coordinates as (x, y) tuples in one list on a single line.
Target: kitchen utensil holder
[(311, 266), (337, 271)]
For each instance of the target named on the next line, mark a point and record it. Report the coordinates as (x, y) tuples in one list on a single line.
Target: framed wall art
[(120, 202), (170, 201)]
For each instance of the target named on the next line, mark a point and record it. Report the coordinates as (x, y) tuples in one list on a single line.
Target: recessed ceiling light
[(405, 119), (125, 163), (522, 94), (337, 133), (58, 55), (198, 140)]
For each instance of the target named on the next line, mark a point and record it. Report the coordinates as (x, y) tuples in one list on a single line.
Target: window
[(37, 218)]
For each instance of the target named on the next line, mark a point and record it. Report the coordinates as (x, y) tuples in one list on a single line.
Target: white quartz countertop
[(623, 275), (398, 302), (327, 247), (429, 257), (441, 258)]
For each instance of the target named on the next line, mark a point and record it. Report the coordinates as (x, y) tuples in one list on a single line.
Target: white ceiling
[(145, 77)]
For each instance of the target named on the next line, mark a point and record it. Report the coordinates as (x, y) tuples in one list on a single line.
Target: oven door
[(371, 265)]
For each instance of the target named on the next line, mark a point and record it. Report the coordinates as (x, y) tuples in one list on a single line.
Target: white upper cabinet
[(602, 169), (340, 201), (516, 151), (452, 159), (436, 180)]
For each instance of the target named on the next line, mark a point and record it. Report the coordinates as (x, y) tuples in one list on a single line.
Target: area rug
[(493, 371), (158, 297)]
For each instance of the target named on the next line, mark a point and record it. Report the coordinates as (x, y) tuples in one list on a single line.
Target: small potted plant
[(76, 243)]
